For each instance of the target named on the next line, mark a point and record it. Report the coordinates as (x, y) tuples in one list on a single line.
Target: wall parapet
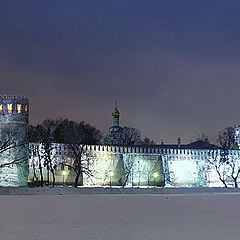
[(147, 150)]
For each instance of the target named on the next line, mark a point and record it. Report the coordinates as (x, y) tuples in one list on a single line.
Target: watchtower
[(13, 141)]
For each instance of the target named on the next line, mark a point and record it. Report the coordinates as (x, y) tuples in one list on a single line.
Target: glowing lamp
[(64, 173), (155, 174)]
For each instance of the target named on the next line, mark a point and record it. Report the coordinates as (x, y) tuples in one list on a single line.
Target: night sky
[(174, 66)]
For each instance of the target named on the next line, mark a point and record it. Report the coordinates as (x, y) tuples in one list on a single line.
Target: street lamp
[(64, 173), (111, 174), (155, 175)]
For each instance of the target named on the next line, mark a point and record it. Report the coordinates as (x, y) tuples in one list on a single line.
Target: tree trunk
[(76, 180), (34, 173), (53, 176), (222, 179), (235, 182), (126, 179), (48, 180), (41, 175)]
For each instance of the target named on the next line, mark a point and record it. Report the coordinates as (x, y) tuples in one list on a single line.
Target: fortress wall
[(135, 166)]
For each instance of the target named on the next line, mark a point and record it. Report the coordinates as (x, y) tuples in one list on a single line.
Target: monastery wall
[(138, 166)]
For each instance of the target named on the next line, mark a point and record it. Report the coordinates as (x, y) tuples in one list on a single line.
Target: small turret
[(179, 142)]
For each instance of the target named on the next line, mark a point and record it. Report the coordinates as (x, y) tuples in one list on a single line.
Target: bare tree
[(132, 135), (219, 160), (77, 136), (39, 155), (148, 142), (225, 138), (234, 165), (10, 143), (45, 134), (128, 169), (226, 141)]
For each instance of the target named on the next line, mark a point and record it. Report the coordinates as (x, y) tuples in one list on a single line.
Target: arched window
[(19, 108), (9, 107)]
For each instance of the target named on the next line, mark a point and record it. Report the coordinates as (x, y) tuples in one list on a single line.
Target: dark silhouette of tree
[(225, 138), (148, 142), (77, 136), (10, 143), (132, 135), (45, 133)]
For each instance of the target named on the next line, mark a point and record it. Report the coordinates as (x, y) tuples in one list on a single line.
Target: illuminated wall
[(109, 165), (138, 166)]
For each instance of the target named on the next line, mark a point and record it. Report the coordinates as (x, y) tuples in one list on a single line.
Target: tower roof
[(116, 113)]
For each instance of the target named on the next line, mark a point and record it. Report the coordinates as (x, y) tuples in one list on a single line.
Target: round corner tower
[(14, 141)]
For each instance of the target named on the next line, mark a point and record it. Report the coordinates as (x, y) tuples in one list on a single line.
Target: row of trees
[(75, 136), (133, 137)]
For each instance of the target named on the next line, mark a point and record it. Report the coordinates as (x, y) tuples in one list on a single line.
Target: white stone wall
[(135, 166)]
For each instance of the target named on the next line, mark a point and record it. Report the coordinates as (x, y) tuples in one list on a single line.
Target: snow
[(134, 214)]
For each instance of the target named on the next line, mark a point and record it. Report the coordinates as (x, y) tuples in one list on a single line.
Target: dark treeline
[(75, 136), (133, 137), (64, 131), (68, 131)]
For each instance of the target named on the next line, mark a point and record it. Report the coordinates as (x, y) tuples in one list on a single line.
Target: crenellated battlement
[(14, 105), (196, 153)]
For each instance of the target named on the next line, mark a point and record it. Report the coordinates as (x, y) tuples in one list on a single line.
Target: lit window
[(1, 108), (237, 132), (9, 107), (19, 108), (26, 108)]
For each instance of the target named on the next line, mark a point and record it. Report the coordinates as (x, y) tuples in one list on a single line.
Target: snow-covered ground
[(144, 214)]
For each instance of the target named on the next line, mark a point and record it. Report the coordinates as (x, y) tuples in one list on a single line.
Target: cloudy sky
[(174, 66)]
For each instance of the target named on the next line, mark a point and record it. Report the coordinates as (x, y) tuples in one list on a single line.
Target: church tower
[(115, 135)]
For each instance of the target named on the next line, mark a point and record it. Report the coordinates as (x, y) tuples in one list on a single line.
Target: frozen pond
[(112, 217)]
